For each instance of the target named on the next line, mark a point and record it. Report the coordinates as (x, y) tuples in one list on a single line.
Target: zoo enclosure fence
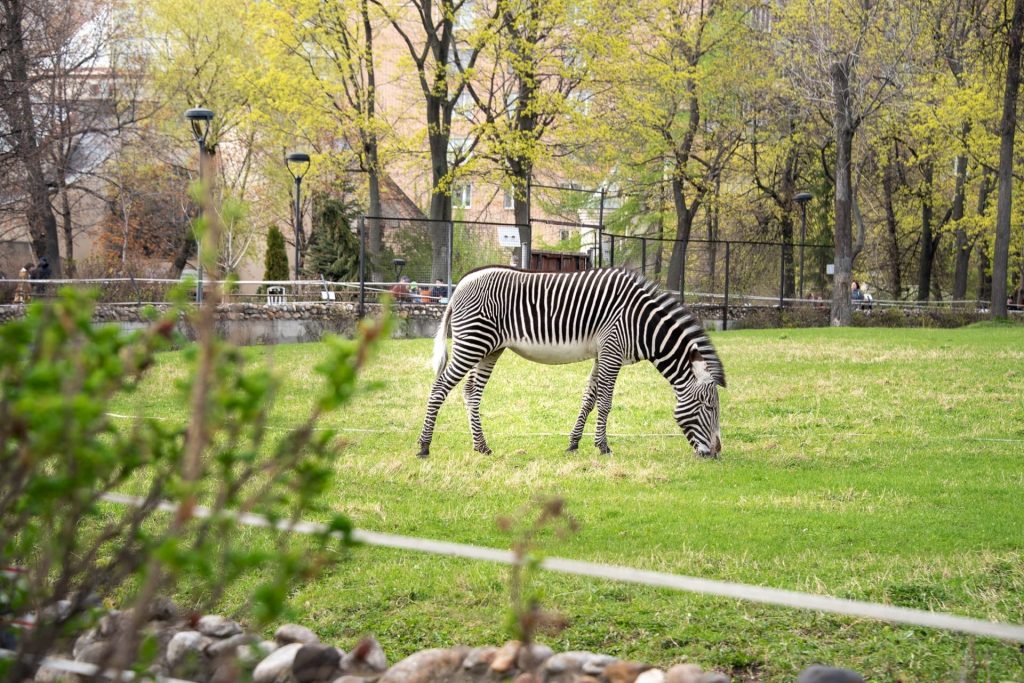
[(418, 260)]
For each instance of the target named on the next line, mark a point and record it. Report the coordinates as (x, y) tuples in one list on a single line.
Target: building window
[(510, 200), (465, 102), (459, 150), (760, 18), (563, 235), (462, 195)]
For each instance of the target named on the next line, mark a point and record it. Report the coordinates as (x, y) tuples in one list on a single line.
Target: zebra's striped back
[(527, 311)]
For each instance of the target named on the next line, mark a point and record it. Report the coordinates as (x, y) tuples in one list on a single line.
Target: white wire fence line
[(677, 582), (618, 435), (309, 290)]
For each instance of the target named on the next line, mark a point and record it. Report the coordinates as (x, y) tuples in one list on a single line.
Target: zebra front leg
[(473, 392), (607, 372), (439, 391), (589, 397)]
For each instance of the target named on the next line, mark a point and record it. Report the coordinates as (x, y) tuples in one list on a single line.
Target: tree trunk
[(684, 225), (844, 131), (928, 242), (962, 247), (67, 229), (440, 201), (16, 101), (1007, 128), (892, 229)]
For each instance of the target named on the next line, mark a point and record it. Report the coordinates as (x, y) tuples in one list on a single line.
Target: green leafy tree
[(333, 248), (275, 261)]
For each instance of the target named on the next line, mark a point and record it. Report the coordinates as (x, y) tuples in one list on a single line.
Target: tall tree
[(323, 75), (849, 58), (427, 29), (1004, 179)]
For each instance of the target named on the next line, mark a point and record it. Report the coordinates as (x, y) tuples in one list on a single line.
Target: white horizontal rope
[(91, 670), (724, 589), (617, 435)]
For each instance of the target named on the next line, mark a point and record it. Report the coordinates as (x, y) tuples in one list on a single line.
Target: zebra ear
[(699, 365)]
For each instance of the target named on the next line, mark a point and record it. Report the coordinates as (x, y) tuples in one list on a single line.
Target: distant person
[(868, 299), (439, 292), (401, 289), (856, 295), (22, 293), (40, 272)]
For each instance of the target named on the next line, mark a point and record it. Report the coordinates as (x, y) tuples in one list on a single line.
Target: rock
[(83, 641), (163, 609), (110, 623), (505, 657), (526, 678), (583, 678), (228, 646), (623, 672), (316, 663), (254, 652), (45, 674), (533, 656), (183, 645), (567, 662), (651, 676), (225, 670), (216, 626), (683, 673), (827, 674), (293, 633), (367, 658), (277, 663), (428, 666), (93, 653), (350, 679), (596, 664), (479, 659), (714, 677)]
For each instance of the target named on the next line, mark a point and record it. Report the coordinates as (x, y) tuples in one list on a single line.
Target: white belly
[(554, 354)]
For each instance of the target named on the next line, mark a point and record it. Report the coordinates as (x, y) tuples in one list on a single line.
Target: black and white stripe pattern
[(610, 315)]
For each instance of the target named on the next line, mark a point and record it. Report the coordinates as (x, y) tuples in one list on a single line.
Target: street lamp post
[(200, 120), (802, 198), (298, 164)]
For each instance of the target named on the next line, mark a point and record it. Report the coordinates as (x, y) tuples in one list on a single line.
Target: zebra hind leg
[(442, 386), (589, 398), (473, 392)]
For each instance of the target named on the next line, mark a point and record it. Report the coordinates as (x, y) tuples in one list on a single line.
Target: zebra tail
[(441, 341)]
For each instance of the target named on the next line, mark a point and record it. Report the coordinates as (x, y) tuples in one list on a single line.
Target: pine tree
[(275, 262), (333, 248)]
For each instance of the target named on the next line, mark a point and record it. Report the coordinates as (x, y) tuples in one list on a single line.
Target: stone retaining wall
[(250, 324)]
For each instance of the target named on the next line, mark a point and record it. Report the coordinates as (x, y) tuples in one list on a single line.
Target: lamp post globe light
[(802, 198), (200, 120), (297, 164)]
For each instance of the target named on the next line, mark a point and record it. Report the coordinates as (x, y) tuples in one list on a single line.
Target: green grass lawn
[(874, 464)]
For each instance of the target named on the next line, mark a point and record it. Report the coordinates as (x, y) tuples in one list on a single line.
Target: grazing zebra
[(613, 316)]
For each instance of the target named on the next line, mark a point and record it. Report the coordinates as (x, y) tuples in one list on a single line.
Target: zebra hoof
[(573, 447), (484, 450), (605, 450), (424, 452)]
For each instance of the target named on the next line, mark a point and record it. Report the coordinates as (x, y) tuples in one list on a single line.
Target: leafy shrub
[(61, 452)]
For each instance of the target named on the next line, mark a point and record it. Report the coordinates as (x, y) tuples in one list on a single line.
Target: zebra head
[(696, 410)]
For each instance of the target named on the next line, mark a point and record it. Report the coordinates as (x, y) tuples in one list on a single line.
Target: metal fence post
[(725, 300), (611, 252), (362, 267), (451, 253), (643, 255), (682, 279), (782, 275), (600, 233)]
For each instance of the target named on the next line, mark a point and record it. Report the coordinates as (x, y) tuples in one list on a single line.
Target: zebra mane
[(671, 308)]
